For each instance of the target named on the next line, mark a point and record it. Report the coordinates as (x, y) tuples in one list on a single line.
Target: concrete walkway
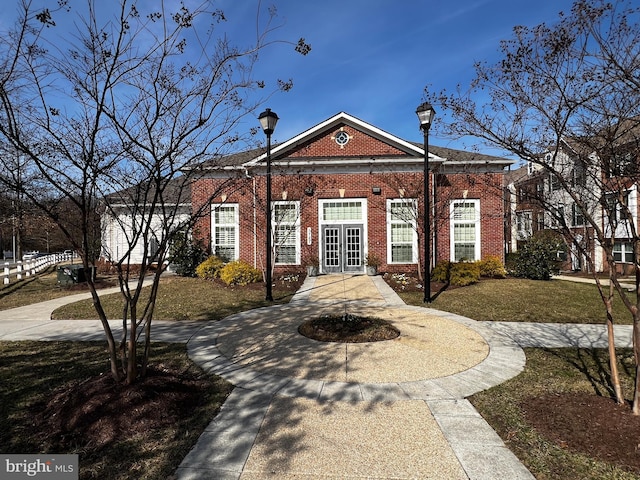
[(306, 409), (394, 409)]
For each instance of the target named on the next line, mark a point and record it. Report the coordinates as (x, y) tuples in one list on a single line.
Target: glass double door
[(342, 248)]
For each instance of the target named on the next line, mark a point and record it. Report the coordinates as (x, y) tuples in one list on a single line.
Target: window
[(623, 252), (286, 231), (224, 231), (577, 218), (579, 173), (618, 206), (557, 216), (620, 164), (465, 230), (401, 231), (554, 182), (342, 210), (524, 226), (530, 168)]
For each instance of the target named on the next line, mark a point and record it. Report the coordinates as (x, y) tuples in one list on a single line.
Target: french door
[(342, 248)]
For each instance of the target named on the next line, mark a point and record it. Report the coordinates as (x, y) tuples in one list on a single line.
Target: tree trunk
[(613, 359), (111, 343), (636, 342), (132, 355)]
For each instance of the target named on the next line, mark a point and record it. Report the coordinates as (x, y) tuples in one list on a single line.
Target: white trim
[(412, 223), (364, 221), (476, 221), (236, 225), (296, 229)]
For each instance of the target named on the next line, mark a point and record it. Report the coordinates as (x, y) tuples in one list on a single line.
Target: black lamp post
[(268, 120), (426, 113)]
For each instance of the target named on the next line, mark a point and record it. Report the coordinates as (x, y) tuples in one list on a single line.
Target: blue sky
[(373, 58)]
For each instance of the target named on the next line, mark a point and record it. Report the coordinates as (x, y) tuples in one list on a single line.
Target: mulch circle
[(589, 424), (348, 329)]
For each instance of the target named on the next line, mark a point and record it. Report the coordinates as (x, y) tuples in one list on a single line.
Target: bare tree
[(109, 116), (566, 98)]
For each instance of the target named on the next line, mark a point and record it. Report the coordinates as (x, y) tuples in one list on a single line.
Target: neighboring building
[(124, 222), (604, 189), (345, 189)]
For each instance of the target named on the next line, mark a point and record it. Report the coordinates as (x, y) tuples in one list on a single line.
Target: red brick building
[(344, 190)]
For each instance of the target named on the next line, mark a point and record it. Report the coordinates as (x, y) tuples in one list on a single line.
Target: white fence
[(18, 271)]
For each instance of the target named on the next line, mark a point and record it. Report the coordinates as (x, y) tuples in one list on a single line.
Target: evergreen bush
[(491, 267), (465, 273), (210, 268), (538, 258), (239, 273), (459, 274), (442, 271), (185, 254)]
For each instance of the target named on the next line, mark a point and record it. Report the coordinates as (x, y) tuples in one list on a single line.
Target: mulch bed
[(589, 424), (95, 412), (348, 329)]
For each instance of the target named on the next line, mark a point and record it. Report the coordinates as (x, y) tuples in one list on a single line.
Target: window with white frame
[(224, 231), (402, 240), (577, 218), (623, 252), (530, 168), (618, 206), (524, 224), (465, 230), (286, 221)]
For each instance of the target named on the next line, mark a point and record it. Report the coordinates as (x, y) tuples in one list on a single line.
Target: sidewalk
[(394, 409)]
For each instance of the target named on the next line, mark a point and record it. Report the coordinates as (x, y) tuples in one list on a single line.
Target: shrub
[(210, 268), (463, 274), (492, 267), (538, 257), (239, 273), (185, 254), (459, 274), (442, 271), (372, 260)]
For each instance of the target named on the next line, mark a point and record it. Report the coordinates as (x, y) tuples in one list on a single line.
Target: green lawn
[(522, 300), (182, 298), (574, 375)]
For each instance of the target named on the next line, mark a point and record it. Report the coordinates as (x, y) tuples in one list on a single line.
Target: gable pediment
[(343, 140)]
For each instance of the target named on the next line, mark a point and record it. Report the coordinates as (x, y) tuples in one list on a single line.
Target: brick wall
[(486, 187), (360, 145)]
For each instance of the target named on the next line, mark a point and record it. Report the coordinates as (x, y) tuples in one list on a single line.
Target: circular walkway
[(438, 354)]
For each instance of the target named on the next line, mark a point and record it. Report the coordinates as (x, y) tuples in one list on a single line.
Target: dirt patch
[(588, 424), (348, 329)]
